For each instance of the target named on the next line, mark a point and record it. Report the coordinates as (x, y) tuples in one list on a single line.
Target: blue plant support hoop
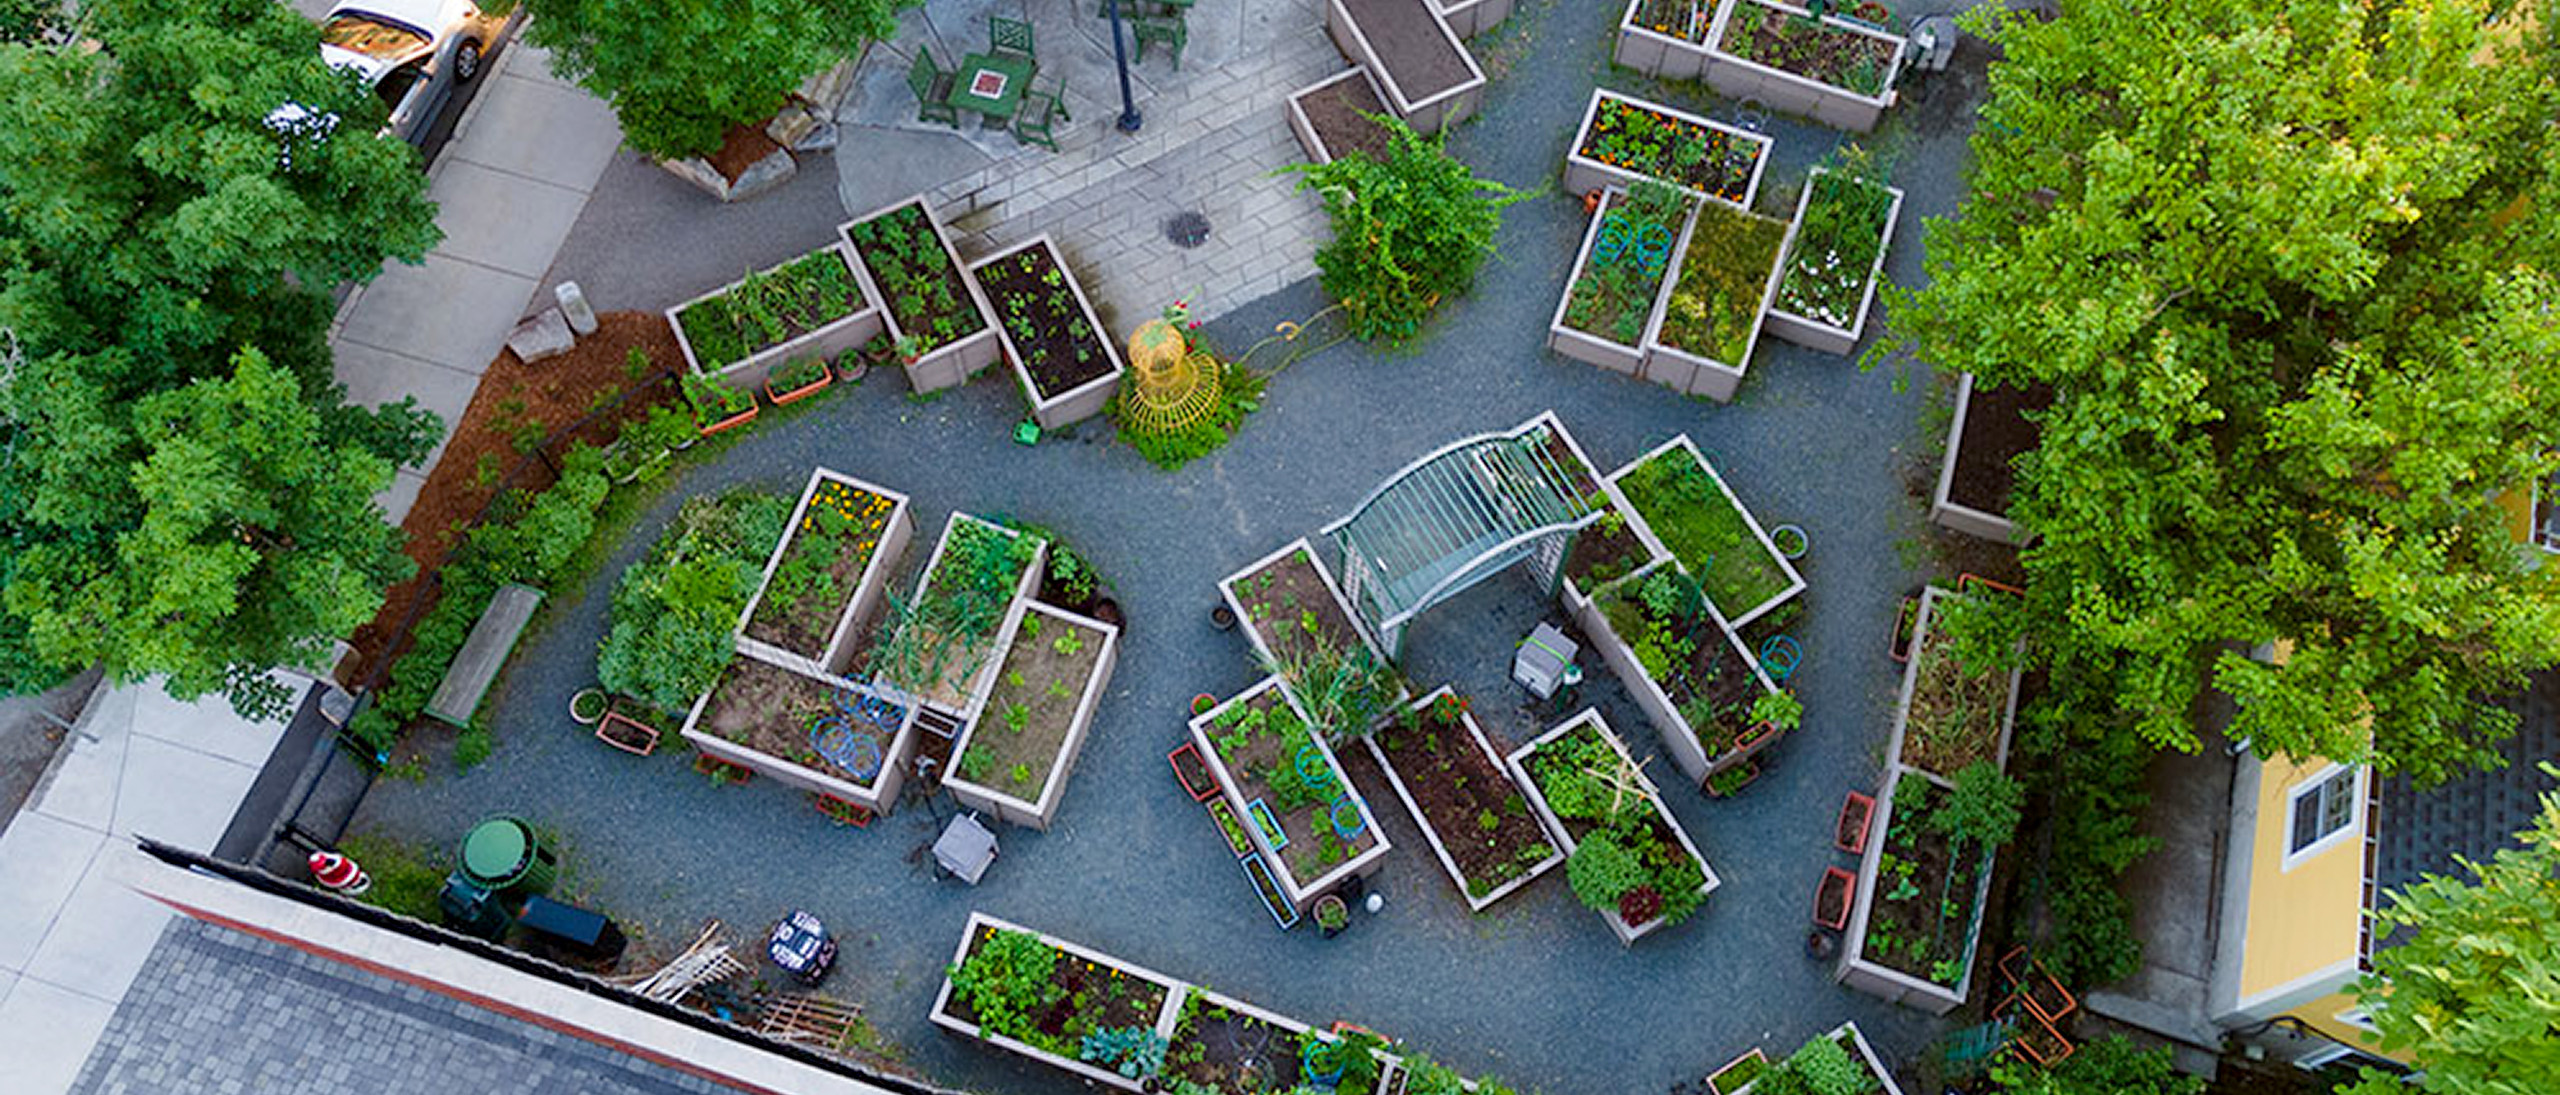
[(1312, 767), (1779, 655), (1359, 822), (856, 753)]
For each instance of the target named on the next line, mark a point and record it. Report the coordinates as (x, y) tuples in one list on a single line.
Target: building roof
[(2421, 831)]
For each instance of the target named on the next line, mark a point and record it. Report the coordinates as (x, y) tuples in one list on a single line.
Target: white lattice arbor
[(1457, 517)]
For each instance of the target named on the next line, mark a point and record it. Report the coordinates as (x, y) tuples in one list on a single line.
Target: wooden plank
[(483, 653)]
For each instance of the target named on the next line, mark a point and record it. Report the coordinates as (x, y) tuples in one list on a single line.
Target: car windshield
[(371, 35)]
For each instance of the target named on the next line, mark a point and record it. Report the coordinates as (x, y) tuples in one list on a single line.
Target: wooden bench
[(483, 653)]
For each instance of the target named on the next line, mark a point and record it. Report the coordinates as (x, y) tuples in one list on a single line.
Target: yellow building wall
[(2518, 505), (2322, 1015), (2304, 920)]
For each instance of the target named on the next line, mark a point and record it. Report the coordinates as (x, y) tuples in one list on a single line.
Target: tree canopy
[(183, 489), (679, 73), (2474, 986), (2280, 264)]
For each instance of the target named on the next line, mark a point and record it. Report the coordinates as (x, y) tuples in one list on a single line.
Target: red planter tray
[(2036, 987), (627, 734), (847, 813), (1849, 838), (785, 399), (1207, 787), (1905, 621), (1834, 882), (732, 422)]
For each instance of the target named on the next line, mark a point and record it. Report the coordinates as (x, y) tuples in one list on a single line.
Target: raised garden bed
[(944, 647), (1333, 116), (1293, 611), (1839, 72), (812, 306), (826, 578), (1468, 18), (1688, 507), (1040, 996), (1951, 715), (1624, 138), (1233, 1047), (762, 716), (1666, 38), (1014, 759), (1919, 905), (1618, 276), (1284, 784), (1685, 669), (1064, 360), (1977, 474), (1722, 283), (1841, 1041), (1429, 78), (1843, 223), (1463, 798), (930, 309), (1589, 793)]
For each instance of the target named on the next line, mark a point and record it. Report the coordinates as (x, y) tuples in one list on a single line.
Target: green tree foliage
[(2281, 265), (2111, 1065), (679, 73), (1408, 230), (30, 21), (2473, 987), (169, 503), (242, 534)]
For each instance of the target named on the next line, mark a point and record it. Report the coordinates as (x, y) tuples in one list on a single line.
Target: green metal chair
[(1042, 110), (1011, 36), (1168, 29), (932, 84)]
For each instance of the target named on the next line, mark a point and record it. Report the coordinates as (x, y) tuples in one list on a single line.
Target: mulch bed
[(740, 149), (515, 399), (1995, 432), (1408, 40), (1340, 111)]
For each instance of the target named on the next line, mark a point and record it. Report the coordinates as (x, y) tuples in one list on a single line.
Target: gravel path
[(1537, 990)]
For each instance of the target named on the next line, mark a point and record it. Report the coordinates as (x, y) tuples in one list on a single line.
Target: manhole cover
[(1186, 229)]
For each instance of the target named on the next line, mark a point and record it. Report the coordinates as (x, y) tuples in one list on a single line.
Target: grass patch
[(406, 877), (1705, 530)]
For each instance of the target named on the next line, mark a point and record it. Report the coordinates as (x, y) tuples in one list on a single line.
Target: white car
[(413, 53)]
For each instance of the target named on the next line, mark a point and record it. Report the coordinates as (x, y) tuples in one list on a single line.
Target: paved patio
[(1133, 868)]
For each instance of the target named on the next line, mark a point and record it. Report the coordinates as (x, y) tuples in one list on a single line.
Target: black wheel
[(466, 61)]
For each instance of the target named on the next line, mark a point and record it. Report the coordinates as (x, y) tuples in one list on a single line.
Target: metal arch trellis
[(1455, 518)]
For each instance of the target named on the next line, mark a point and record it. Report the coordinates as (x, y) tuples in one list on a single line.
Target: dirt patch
[(1059, 344), (1230, 1050), (1467, 799), (740, 148), (1288, 603), (1996, 430), (1014, 749), (1339, 113), (1604, 552), (1409, 42), (515, 406), (772, 710)]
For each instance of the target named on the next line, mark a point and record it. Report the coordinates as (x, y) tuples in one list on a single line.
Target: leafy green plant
[(1007, 981), (668, 634), (1613, 296), (1410, 228), (1983, 808)]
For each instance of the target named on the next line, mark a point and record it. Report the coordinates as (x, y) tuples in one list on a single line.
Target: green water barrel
[(503, 854)]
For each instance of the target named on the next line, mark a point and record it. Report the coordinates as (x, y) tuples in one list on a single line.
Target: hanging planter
[(587, 705)]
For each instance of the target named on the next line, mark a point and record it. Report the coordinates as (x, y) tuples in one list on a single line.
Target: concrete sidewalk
[(71, 940), (508, 187)]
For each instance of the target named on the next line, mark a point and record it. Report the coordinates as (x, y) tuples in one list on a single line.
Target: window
[(2322, 811), (2546, 513), (396, 83)]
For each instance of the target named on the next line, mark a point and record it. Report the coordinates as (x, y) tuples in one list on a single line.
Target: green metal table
[(991, 85)]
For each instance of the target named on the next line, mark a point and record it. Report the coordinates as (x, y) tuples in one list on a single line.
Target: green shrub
[(1409, 229), (672, 612)]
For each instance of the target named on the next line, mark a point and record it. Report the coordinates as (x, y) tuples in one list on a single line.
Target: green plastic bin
[(503, 854)]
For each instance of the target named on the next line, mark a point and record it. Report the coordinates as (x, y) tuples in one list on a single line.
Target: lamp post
[(1129, 119)]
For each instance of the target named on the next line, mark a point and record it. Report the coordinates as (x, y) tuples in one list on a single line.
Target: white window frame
[(2337, 1051), (2359, 1019), (2297, 796), (2533, 517)]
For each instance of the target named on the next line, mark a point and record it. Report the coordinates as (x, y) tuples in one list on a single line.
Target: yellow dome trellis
[(1172, 386)]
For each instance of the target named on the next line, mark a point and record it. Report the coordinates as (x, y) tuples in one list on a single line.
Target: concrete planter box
[(1042, 809), (1519, 762), (1795, 580), (1678, 737), (861, 606), (1698, 374), (1583, 174), (1300, 895), (1830, 104), (964, 690), (1821, 334), (1056, 409), (948, 364), (944, 1015), (1601, 350), (1305, 128), (1440, 848), (1655, 53), (1468, 18), (1427, 109), (1859, 1051), (1943, 508), (1246, 622), (748, 373), (1930, 599), (1874, 978), (879, 796)]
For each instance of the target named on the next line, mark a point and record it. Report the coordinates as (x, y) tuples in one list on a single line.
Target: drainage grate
[(1186, 229)]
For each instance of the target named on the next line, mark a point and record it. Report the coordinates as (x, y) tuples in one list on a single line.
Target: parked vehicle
[(415, 54)]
